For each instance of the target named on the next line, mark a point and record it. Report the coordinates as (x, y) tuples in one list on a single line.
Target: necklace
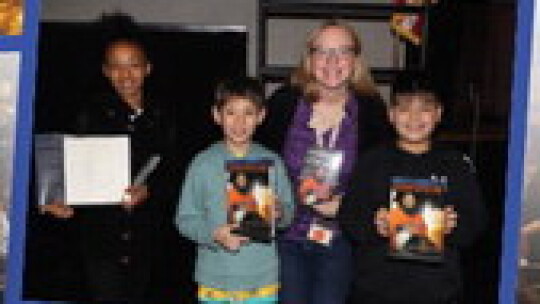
[(327, 113)]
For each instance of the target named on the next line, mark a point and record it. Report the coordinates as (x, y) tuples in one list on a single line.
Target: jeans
[(315, 274)]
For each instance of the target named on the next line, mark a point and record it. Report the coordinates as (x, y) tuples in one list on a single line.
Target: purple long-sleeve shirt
[(300, 138)]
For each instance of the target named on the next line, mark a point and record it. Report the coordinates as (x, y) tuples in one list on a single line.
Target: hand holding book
[(135, 195), (328, 208), (277, 210), (138, 192), (381, 220), (57, 209), (225, 236), (450, 219)]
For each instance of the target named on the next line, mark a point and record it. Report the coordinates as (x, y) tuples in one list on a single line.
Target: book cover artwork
[(319, 176), (250, 198), (416, 218), (318, 184)]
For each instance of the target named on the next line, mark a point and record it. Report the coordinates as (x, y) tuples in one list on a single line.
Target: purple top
[(300, 138)]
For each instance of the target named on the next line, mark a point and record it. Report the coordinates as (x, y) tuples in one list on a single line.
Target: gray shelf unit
[(415, 57)]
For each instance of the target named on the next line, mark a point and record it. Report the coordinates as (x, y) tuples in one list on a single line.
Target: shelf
[(314, 10), (320, 9)]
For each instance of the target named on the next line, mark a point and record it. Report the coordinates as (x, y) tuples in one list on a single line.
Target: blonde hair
[(361, 81)]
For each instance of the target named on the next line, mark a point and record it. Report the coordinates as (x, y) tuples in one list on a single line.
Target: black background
[(187, 64)]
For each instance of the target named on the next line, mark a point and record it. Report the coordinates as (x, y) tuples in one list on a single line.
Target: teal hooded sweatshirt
[(202, 209)]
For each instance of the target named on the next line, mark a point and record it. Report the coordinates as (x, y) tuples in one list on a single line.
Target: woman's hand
[(329, 208), (381, 222)]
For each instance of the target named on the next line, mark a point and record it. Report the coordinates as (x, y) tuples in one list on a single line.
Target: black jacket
[(373, 126), (110, 234), (384, 280)]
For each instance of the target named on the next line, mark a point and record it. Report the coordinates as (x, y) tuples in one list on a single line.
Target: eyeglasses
[(339, 52)]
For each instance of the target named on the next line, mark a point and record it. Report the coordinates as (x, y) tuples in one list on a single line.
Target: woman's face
[(332, 57)]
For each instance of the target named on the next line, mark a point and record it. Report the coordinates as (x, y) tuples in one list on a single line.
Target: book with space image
[(250, 197), (320, 176), (416, 218), (318, 184)]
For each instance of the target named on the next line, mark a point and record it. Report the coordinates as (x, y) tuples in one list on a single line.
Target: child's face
[(126, 68), (238, 118), (415, 117)]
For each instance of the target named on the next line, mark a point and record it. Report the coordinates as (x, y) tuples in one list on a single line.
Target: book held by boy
[(416, 218), (251, 199)]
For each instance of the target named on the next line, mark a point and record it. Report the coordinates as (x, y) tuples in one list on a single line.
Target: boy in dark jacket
[(414, 111)]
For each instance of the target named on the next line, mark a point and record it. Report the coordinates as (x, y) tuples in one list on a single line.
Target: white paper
[(96, 169)]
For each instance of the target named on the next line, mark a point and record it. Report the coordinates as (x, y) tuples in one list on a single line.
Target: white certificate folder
[(82, 169)]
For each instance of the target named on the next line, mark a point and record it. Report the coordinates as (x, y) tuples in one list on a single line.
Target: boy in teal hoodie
[(231, 266)]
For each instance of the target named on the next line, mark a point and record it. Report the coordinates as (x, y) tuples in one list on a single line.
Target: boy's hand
[(57, 209), (277, 211), (134, 196), (381, 221), (223, 235), (450, 219), (329, 208)]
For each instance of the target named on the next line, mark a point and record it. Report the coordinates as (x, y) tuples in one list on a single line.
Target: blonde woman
[(330, 110)]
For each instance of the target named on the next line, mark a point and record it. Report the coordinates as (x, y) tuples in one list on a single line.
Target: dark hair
[(246, 87), (413, 83), (121, 28)]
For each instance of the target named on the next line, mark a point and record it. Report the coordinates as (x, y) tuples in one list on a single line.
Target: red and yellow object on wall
[(409, 25)]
